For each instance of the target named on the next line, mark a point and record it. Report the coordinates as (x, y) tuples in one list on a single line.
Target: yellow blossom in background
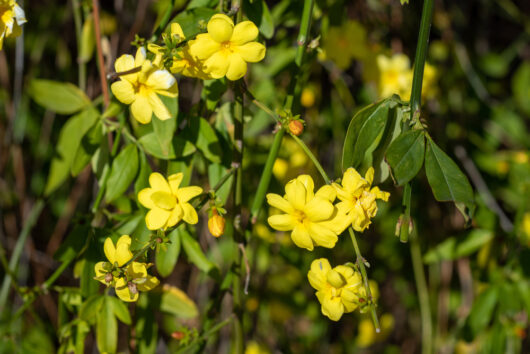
[(394, 75), (134, 277), (358, 198), (312, 217), (226, 49), (367, 335), (168, 201), (184, 63), (525, 226), (255, 348), (338, 289), (344, 43), (141, 89), (11, 18)]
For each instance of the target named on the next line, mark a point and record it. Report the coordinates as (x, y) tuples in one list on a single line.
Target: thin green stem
[(312, 158), (421, 56), (164, 20), (423, 295), (140, 252), (19, 247), (360, 263), (266, 177)]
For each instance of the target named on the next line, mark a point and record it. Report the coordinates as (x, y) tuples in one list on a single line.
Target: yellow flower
[(394, 76), (135, 279), (255, 348), (226, 49), (184, 64), (525, 225), (120, 253), (141, 89), (11, 18), (169, 203), (367, 335), (358, 199), (312, 217), (337, 289)]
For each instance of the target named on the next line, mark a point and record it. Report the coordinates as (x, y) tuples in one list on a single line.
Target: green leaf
[(458, 247), (365, 127), (69, 139), (482, 310), (146, 326), (215, 173), (60, 97), (447, 182), (122, 173), (178, 148), (73, 244), (90, 308), (391, 132), (521, 86), (190, 20), (107, 328), (174, 301), (258, 12), (120, 310), (405, 155), (142, 181), (167, 259), (165, 129), (203, 136), (89, 144), (194, 252)]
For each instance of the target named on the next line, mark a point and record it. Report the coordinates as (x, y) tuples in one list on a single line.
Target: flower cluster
[(223, 51), (395, 77), (11, 18), (339, 290), (168, 201), (128, 278)]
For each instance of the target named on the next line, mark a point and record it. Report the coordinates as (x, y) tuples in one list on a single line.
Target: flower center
[(164, 200), (299, 216), (226, 46)]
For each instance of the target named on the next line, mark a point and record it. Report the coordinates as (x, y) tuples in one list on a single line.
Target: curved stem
[(312, 158)]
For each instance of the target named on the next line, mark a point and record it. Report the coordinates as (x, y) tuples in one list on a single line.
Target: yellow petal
[(321, 235), (156, 218), (244, 32), (309, 185), (319, 209), (283, 222), (190, 214), (220, 28), (369, 176), (140, 57), (98, 268), (160, 80), (174, 182), (164, 200), (203, 46), (380, 194), (217, 65), (158, 182), (110, 250), (159, 108), (278, 202), (122, 290), (333, 308), (295, 193), (342, 193), (301, 238), (124, 63), (237, 67), (141, 109), (123, 90), (176, 30), (144, 197), (149, 284), (327, 192), (136, 270), (187, 193), (124, 239), (175, 217), (317, 273), (123, 253), (252, 52)]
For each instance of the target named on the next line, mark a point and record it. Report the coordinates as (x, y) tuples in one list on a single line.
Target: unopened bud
[(178, 335), (216, 225), (296, 127), (108, 278)]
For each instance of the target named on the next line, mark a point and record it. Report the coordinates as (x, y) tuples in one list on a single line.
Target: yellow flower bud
[(335, 279), (296, 127), (216, 225)]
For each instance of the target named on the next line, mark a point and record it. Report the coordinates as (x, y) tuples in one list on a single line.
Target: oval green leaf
[(107, 328), (194, 253), (178, 148), (60, 97), (165, 129), (167, 259), (122, 173), (405, 155)]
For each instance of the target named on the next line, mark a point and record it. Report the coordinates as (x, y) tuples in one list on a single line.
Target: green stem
[(164, 20), (419, 59), (266, 176), (76, 9), (140, 252), (312, 158), (19, 247), (423, 295), (362, 268)]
